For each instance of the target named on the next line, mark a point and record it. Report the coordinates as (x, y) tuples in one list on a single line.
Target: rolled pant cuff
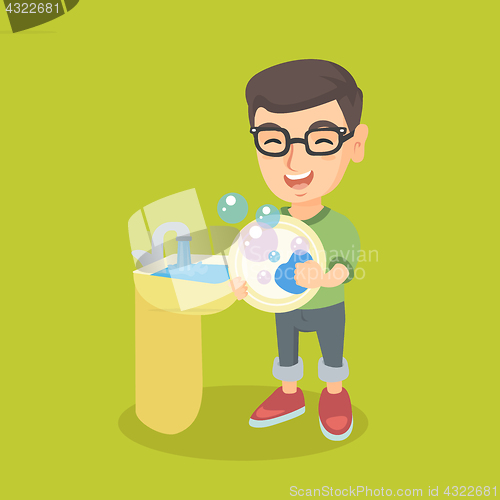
[(332, 373), (288, 373)]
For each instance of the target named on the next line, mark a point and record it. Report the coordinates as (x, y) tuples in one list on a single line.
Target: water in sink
[(204, 273)]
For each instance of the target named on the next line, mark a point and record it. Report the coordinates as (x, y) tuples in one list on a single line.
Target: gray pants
[(329, 324)]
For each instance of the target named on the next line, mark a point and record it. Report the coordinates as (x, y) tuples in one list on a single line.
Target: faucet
[(183, 249)]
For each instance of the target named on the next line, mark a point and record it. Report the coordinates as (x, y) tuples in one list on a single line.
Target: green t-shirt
[(341, 243)]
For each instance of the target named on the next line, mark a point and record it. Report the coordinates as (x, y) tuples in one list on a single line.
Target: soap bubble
[(232, 208), (256, 242), (267, 215), (274, 256), (264, 277), (300, 245)]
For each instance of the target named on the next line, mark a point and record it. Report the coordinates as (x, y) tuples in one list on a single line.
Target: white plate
[(270, 297)]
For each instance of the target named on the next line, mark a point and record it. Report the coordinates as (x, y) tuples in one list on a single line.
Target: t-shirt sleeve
[(346, 246)]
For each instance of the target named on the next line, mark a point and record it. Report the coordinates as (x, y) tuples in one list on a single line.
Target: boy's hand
[(308, 274), (239, 288)]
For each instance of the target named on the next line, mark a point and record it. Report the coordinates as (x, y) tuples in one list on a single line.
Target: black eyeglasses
[(276, 141)]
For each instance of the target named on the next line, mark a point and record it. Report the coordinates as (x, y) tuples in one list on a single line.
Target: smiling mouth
[(300, 181)]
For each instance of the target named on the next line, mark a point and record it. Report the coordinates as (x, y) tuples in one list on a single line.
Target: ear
[(359, 139)]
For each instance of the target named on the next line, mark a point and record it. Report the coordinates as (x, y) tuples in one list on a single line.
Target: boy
[(305, 119)]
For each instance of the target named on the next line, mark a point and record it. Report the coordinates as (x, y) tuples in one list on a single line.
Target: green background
[(118, 104)]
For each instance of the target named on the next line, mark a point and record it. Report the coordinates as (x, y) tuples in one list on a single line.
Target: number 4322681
[(464, 491), (32, 8)]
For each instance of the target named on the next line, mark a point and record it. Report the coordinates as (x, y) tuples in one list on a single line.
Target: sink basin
[(169, 307), (177, 295)]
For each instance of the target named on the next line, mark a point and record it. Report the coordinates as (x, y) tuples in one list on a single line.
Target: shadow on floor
[(221, 431)]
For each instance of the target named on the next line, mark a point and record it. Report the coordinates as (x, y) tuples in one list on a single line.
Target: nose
[(296, 158)]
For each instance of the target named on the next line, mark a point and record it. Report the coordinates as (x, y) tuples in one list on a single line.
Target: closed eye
[(272, 140), (319, 141)]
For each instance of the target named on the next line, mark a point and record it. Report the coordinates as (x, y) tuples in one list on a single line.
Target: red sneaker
[(335, 415), (278, 407)]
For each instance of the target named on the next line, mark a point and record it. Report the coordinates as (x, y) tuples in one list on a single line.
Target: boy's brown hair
[(297, 85)]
